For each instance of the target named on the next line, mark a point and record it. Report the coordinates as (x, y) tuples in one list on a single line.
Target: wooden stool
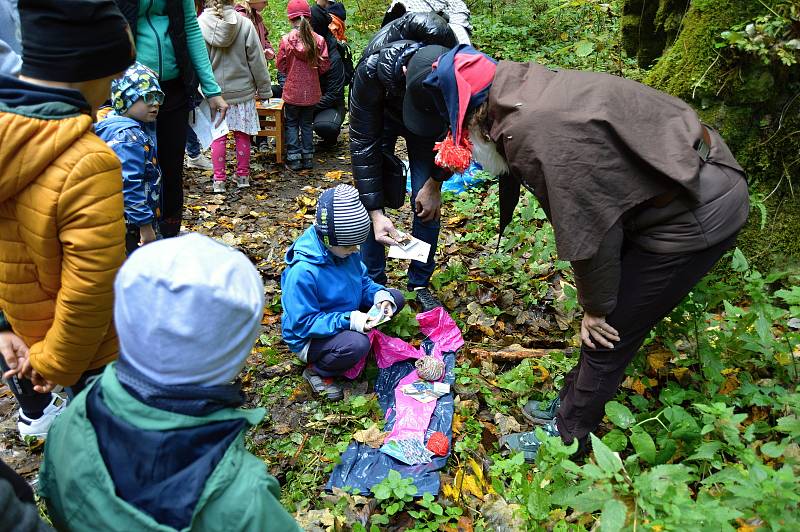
[(270, 118)]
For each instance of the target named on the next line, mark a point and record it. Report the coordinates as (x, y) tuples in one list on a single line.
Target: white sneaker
[(242, 181), (219, 187), (38, 427), (200, 162)]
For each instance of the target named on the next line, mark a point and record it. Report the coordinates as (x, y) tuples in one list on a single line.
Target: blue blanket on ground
[(362, 466)]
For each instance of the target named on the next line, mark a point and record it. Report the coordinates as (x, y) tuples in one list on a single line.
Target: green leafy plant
[(393, 494)]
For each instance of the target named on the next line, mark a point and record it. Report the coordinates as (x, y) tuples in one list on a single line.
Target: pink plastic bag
[(411, 416), (436, 324)]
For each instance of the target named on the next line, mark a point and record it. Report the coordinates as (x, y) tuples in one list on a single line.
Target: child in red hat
[(302, 57)]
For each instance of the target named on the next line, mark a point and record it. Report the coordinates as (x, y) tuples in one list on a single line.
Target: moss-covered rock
[(648, 27), (756, 110)]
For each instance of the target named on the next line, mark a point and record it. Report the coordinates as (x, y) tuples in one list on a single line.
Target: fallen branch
[(299, 450), (513, 355)]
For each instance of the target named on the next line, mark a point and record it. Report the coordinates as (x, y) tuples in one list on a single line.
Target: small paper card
[(410, 248), (203, 126), (376, 316)]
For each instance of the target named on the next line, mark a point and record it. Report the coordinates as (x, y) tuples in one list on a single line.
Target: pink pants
[(218, 149)]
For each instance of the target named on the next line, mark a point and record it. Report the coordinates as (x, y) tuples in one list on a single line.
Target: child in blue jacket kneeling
[(327, 292), (129, 130)]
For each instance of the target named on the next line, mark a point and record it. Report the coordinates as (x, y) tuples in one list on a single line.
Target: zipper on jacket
[(155, 34)]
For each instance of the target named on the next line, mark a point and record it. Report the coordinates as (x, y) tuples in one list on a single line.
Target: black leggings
[(33, 403), (651, 285), (171, 137)]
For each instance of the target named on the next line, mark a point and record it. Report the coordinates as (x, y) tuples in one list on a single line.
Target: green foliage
[(705, 432), (771, 37), (432, 515), (403, 324), (581, 34), (393, 494)]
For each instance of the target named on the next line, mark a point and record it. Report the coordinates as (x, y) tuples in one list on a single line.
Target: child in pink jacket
[(302, 57)]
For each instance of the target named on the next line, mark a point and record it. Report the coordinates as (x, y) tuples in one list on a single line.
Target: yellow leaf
[(544, 372), (638, 387), (477, 469), (334, 174), (371, 436), (458, 423), (658, 359), (472, 486), (680, 373), (453, 491), (731, 383)]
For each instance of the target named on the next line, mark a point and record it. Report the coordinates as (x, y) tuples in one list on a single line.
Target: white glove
[(358, 321)]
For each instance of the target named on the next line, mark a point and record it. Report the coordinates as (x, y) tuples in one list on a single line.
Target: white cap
[(187, 310)]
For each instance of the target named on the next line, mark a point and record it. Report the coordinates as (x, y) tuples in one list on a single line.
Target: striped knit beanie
[(342, 219)]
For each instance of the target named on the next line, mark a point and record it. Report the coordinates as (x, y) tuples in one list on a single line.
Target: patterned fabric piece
[(243, 117)]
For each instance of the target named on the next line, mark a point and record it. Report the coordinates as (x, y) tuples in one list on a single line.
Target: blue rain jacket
[(141, 177), (320, 290)]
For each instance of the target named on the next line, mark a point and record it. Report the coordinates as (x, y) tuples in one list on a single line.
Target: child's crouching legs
[(332, 356)]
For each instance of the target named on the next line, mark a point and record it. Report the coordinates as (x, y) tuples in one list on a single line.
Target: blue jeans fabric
[(299, 132), (334, 355), (421, 165), (192, 144)]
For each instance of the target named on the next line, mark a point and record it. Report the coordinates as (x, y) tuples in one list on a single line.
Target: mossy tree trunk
[(756, 108), (649, 26)]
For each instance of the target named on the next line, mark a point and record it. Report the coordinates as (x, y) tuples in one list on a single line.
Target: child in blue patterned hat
[(129, 129)]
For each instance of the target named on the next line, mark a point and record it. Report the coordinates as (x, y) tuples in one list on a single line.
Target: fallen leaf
[(658, 359), (472, 486), (282, 428), (371, 436), (458, 423), (506, 424)]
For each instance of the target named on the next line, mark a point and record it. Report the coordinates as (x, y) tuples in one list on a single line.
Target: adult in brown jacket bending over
[(643, 199)]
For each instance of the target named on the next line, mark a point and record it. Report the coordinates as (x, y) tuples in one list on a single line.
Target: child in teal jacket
[(157, 443)]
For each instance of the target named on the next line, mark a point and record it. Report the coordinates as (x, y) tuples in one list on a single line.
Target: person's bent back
[(157, 443)]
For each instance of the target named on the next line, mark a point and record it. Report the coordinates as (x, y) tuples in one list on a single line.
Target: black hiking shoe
[(323, 386), (426, 299), (294, 165)]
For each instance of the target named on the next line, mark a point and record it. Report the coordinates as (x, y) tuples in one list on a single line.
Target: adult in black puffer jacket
[(398, 57), (329, 112)]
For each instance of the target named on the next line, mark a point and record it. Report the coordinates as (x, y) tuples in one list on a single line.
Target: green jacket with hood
[(238, 495)]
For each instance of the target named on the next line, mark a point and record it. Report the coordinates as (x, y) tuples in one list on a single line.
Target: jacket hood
[(220, 32), (37, 125), (308, 248), (113, 124)]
